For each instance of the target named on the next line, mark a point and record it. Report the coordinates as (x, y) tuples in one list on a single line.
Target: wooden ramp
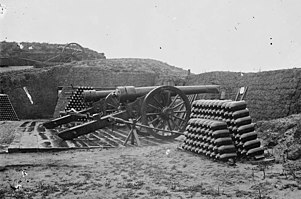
[(31, 136)]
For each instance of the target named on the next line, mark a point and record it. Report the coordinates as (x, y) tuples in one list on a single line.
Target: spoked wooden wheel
[(73, 52), (167, 110), (112, 104)]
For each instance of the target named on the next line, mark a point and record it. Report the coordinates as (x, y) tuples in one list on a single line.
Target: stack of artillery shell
[(209, 137), (7, 111), (76, 101), (238, 120)]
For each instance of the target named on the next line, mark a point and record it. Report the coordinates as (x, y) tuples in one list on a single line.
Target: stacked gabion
[(237, 117), (209, 137)]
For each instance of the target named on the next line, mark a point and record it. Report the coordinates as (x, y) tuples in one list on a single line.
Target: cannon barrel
[(131, 93)]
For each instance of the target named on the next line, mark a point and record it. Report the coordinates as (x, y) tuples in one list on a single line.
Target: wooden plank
[(80, 143), (107, 139), (42, 139), (115, 133), (70, 143), (101, 141), (36, 138), (149, 138), (15, 145), (88, 141), (123, 132), (112, 137), (29, 142), (45, 142)]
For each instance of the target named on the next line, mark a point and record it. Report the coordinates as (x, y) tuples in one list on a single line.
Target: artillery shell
[(243, 121), (221, 133), (256, 151), (223, 141), (237, 105), (248, 136), (226, 149), (240, 113), (246, 128), (251, 144)]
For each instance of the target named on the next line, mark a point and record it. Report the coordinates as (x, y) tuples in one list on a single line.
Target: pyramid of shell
[(218, 125)]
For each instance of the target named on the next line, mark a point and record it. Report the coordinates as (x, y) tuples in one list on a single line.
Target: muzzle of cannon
[(164, 109)]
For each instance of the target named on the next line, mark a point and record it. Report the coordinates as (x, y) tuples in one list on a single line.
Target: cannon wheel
[(112, 104), (165, 108), (74, 51)]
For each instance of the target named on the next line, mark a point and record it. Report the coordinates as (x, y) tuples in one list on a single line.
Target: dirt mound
[(132, 65), (282, 136), (43, 54)]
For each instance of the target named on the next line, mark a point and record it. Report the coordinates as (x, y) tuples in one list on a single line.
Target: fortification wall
[(95, 77), (42, 85), (271, 94)]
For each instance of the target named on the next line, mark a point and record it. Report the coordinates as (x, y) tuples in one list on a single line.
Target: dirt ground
[(7, 133), (141, 172)]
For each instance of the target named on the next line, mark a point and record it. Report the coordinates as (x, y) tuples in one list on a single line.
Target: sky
[(200, 35)]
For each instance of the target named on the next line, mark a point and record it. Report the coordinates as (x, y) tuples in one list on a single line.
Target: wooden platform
[(31, 136)]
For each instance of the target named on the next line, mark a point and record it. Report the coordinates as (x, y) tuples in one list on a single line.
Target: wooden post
[(133, 134)]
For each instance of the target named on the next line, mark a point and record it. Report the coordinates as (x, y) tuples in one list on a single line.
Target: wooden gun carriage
[(161, 111)]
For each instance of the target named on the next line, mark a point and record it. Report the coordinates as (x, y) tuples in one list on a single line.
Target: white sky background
[(201, 35)]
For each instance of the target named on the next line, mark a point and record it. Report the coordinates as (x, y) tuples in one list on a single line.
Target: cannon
[(161, 111)]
